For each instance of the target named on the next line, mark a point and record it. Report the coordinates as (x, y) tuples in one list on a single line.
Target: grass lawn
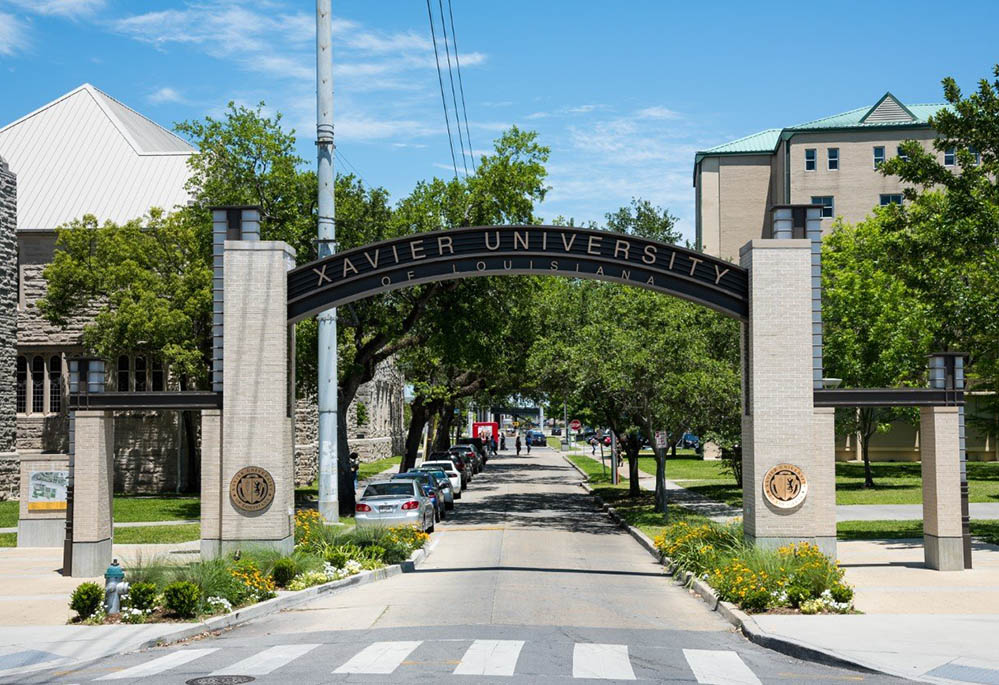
[(8, 539), (987, 530), (8, 513), (157, 535), (901, 483), (130, 508), (365, 470)]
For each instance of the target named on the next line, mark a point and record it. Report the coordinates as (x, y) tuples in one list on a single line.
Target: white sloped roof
[(87, 153)]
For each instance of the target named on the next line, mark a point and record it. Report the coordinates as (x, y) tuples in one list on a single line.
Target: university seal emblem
[(251, 489), (785, 486)]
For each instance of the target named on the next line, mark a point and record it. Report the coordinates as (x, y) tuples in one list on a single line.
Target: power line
[(454, 40), (450, 75), (440, 81), (346, 161)]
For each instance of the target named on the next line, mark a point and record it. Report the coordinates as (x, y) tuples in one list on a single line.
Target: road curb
[(286, 601), (731, 613)]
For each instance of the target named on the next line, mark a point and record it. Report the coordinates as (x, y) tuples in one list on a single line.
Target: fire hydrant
[(115, 588)]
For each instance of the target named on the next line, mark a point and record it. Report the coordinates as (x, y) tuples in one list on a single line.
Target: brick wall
[(9, 469)]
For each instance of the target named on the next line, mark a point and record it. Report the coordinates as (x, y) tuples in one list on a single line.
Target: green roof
[(887, 112), (855, 118), (764, 141)]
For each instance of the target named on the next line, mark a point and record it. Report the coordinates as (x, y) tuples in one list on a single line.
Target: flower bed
[(163, 592), (797, 576)]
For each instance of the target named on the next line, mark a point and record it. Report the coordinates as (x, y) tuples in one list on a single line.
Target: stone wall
[(9, 469), (382, 434)]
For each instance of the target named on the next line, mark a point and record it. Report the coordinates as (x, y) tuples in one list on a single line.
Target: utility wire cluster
[(449, 47)]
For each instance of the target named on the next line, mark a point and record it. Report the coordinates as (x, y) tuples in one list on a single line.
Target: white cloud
[(165, 94), (61, 8), (657, 113), (14, 35)]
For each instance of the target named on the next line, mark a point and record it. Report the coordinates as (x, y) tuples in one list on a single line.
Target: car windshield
[(388, 490)]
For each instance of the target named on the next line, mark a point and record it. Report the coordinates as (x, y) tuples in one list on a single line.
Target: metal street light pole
[(329, 505)]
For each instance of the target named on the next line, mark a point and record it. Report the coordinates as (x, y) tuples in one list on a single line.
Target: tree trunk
[(417, 421), (443, 438), (661, 497), (868, 427), (345, 476), (631, 448)]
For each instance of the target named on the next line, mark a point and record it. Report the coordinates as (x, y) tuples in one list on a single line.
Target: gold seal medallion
[(785, 486), (251, 489)]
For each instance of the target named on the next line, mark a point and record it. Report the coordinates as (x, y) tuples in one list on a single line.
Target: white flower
[(219, 604)]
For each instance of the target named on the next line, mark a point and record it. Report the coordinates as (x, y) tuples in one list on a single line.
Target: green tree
[(877, 330)]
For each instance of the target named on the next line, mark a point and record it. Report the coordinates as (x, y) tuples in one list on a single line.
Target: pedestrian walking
[(518, 444), (355, 465), (503, 442), (528, 441)]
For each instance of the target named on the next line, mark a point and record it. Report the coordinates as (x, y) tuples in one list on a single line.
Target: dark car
[(480, 447), (470, 453), (536, 439), (430, 487), (690, 441)]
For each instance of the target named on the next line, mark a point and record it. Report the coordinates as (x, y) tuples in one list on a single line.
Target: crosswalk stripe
[(379, 657), (609, 662), (155, 666), (267, 660), (719, 667), (490, 657)]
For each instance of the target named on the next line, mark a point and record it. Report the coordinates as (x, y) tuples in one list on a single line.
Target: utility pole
[(329, 500)]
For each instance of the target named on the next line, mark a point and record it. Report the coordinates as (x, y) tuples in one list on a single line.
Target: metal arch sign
[(507, 250)]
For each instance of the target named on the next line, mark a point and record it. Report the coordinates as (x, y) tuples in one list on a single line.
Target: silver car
[(394, 503)]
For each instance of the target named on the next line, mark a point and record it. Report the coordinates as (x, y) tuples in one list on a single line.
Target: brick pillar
[(257, 410), (211, 477), (779, 424), (9, 470), (91, 473), (939, 448)]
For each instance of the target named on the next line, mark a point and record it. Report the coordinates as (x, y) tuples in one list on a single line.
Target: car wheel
[(449, 507), (457, 495), (437, 516), (431, 528)]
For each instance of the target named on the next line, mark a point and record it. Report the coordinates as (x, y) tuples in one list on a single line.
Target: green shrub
[(86, 599), (797, 594), (374, 553), (395, 553), (841, 592), (142, 596), (182, 598), (283, 571)]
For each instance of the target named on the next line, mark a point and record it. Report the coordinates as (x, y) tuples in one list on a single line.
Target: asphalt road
[(528, 582)]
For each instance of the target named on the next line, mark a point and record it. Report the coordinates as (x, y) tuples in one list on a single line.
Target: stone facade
[(382, 433), (9, 470)]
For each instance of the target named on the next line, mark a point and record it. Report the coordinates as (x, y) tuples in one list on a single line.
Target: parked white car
[(448, 468)]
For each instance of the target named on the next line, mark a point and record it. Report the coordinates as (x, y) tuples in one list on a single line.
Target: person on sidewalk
[(527, 440), (518, 444), (503, 441), (355, 465)]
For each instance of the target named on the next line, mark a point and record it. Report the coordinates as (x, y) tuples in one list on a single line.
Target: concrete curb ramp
[(738, 618), (185, 631)]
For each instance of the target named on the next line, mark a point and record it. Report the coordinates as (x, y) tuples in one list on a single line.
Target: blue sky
[(624, 93)]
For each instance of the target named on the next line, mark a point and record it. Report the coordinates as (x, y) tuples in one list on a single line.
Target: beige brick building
[(832, 161)]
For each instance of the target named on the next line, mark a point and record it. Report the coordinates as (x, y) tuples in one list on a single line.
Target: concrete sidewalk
[(916, 622)]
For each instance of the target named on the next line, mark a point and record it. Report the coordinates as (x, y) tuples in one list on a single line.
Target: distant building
[(831, 161), (87, 153)]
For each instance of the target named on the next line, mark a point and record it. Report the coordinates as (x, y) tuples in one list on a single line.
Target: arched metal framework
[(506, 250)]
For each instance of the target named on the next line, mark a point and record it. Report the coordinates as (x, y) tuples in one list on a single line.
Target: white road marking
[(719, 667), (610, 662), (156, 666), (379, 657), (267, 660), (490, 657)]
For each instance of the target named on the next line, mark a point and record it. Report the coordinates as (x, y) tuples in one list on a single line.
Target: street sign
[(575, 424), (661, 440)]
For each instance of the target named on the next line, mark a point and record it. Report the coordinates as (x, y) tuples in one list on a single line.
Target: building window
[(140, 374), (22, 385), (974, 153), (55, 384), (833, 154), (827, 204), (949, 157), (123, 367), (157, 376), (37, 385), (810, 159), (891, 199), (879, 156), (901, 155)]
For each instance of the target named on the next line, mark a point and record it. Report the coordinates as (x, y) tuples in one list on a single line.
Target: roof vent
[(887, 109)]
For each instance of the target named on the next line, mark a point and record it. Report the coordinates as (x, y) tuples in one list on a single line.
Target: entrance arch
[(507, 250)]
